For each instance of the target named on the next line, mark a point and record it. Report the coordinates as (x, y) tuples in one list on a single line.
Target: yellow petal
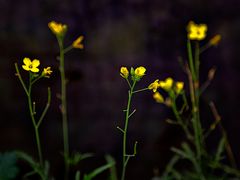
[(25, 67), (140, 71), (35, 69), (27, 61), (35, 63)]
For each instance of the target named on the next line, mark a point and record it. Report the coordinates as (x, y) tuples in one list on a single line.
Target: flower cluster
[(196, 31), (32, 66), (136, 74), (57, 28), (168, 85)]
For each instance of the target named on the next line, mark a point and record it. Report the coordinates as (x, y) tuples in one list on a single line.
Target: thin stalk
[(194, 113), (67, 49), (140, 90), (180, 121), (190, 59), (64, 107), (34, 120), (224, 134), (197, 92), (125, 160)]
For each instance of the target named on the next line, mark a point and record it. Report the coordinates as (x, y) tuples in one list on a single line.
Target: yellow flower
[(124, 72), (215, 40), (196, 31), (78, 43), (47, 71), (57, 28), (140, 71), (31, 65), (167, 84), (158, 97), (154, 86), (179, 87)]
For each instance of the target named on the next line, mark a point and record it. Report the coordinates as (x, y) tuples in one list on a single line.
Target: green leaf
[(97, 171), (8, 167), (77, 175), (77, 157), (37, 168), (113, 171), (220, 150)]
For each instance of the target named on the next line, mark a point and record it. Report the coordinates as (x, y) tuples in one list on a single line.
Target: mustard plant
[(204, 164), (59, 30), (34, 76), (132, 79)]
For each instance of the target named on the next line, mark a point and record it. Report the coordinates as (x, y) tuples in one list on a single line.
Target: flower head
[(124, 72), (179, 87), (196, 31), (154, 86), (57, 28), (140, 71), (78, 43), (47, 71), (31, 65), (215, 40), (158, 97), (167, 84)]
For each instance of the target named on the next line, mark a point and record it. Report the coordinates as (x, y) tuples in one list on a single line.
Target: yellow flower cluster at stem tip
[(31, 65), (57, 28), (124, 72), (78, 43), (158, 97), (167, 84), (196, 31), (154, 86), (215, 40), (140, 71), (47, 71)]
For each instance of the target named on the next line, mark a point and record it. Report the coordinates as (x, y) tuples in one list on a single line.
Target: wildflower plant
[(132, 78), (59, 30), (204, 164), (34, 76)]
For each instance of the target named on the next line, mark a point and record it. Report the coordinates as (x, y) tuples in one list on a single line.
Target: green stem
[(197, 61), (180, 121), (33, 120), (20, 78), (140, 90), (67, 49), (124, 163), (190, 58), (64, 107)]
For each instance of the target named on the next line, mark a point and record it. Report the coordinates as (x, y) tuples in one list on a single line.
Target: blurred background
[(150, 33)]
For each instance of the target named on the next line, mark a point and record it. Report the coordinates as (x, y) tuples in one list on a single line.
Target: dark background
[(117, 33)]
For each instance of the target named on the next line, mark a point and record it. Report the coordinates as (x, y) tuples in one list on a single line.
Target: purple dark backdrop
[(127, 32)]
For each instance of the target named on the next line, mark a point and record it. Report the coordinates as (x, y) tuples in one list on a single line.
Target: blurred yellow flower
[(78, 43), (57, 28), (140, 71), (215, 40), (47, 71), (154, 86), (167, 84), (31, 65), (179, 87), (196, 31), (124, 72), (158, 97)]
